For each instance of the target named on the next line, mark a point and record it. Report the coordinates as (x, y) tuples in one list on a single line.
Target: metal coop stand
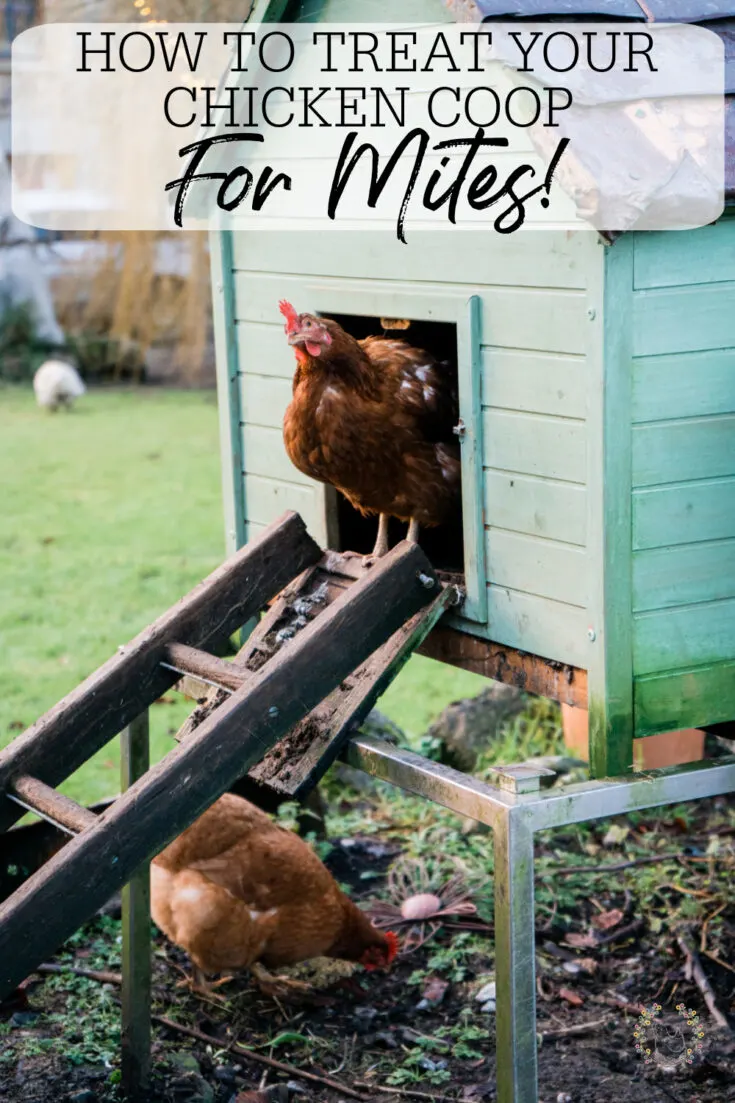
[(515, 808)]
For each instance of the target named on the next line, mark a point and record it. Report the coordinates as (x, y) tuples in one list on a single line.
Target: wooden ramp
[(328, 646)]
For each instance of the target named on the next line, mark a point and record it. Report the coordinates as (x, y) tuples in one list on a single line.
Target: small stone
[(563, 1097), (23, 1018), (489, 1007), (385, 1039), (185, 1062), (571, 967), (296, 1088), (486, 993), (226, 1074), (366, 1014), (83, 1096)]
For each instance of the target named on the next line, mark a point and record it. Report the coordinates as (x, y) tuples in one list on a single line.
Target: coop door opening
[(349, 530)]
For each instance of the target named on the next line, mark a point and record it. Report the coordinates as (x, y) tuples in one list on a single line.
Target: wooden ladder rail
[(43, 912), (120, 690)]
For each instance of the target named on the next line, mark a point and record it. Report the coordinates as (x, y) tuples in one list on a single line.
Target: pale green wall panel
[(523, 260), (691, 635), (534, 381), (683, 575), (690, 384), (677, 451), (533, 444), (689, 513), (537, 506), (668, 259), (684, 319), (544, 567)]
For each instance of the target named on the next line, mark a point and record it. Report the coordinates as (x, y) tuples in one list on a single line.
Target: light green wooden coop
[(597, 399)]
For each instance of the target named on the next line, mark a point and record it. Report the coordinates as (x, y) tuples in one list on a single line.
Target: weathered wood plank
[(51, 805), (536, 506), (118, 691), (704, 256), (264, 398), (683, 319), (558, 681), (160, 805), (690, 384), (262, 350), (269, 497), (298, 762), (683, 575), (693, 635), (190, 660), (693, 698), (544, 627), (680, 451), (265, 455), (559, 317), (537, 566), (532, 259), (535, 445), (534, 382), (684, 514)]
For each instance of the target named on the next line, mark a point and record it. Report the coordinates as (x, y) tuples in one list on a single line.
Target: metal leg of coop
[(515, 959), (515, 808), (136, 935)]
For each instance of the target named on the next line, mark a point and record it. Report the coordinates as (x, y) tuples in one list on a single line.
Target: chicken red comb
[(393, 946), (288, 312)]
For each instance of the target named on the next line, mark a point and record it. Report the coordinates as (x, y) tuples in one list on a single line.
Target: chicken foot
[(271, 985), (413, 531)]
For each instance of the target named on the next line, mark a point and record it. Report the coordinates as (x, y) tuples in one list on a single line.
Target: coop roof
[(717, 15)]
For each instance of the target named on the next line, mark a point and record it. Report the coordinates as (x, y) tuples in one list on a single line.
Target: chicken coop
[(597, 421)]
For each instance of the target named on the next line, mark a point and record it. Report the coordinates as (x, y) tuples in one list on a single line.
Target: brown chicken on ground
[(236, 891), (376, 419)]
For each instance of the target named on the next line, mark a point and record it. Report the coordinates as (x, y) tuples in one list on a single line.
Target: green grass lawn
[(110, 514)]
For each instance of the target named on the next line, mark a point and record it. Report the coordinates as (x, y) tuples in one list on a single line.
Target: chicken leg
[(413, 531), (272, 985), (381, 543)]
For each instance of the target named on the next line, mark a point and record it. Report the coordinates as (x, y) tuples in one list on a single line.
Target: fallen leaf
[(435, 990), (607, 920), (616, 834), (571, 997), (584, 941), (588, 965)]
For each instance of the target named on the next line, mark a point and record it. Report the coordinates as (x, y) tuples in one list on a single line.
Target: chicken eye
[(307, 324)]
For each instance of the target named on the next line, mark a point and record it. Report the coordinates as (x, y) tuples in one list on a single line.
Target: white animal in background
[(57, 383)]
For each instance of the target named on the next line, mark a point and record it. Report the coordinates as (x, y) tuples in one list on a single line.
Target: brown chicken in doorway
[(237, 891), (376, 419)]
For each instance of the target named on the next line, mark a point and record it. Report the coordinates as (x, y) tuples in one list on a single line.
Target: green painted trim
[(610, 528), (685, 699), (469, 380), (228, 388)]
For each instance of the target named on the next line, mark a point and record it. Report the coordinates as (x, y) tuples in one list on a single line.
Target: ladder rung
[(59, 810), (190, 660)]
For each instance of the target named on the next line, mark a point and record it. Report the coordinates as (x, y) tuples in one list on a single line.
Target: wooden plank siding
[(683, 478), (533, 316)]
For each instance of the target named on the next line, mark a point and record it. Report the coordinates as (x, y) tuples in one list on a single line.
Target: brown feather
[(375, 418)]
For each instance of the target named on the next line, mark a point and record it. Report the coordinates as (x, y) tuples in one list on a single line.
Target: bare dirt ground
[(607, 949)]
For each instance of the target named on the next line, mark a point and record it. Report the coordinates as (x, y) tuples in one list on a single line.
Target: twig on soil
[(694, 971), (622, 932), (243, 1054), (613, 867), (566, 1031), (90, 974), (406, 1092)]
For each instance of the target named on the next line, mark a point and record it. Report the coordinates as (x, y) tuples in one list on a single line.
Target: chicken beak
[(296, 338)]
